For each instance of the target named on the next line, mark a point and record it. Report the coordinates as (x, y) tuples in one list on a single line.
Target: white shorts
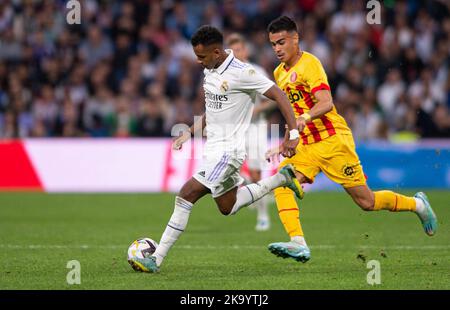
[(256, 146), (220, 173)]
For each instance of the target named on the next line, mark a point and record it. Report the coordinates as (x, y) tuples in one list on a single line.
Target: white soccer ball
[(140, 248)]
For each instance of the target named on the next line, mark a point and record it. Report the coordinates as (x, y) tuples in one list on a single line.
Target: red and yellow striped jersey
[(300, 83)]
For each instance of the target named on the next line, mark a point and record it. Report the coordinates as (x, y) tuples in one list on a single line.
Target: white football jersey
[(230, 93)]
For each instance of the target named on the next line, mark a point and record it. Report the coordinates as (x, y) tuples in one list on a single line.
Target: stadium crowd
[(128, 69)]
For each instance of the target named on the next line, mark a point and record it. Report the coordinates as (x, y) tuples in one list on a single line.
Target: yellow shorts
[(335, 156)]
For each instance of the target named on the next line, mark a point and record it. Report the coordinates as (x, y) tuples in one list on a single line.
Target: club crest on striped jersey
[(293, 77)]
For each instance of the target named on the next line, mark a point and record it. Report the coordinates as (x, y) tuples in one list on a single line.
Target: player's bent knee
[(225, 211), (225, 208)]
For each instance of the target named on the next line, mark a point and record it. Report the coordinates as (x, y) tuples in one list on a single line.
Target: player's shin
[(388, 200), (174, 228), (248, 194), (288, 212)]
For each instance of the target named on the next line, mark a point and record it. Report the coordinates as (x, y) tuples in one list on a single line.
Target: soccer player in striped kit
[(326, 144)]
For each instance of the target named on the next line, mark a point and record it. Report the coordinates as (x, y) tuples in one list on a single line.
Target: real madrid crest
[(224, 87)]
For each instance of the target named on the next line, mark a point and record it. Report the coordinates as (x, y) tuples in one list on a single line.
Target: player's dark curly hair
[(282, 23), (207, 35)]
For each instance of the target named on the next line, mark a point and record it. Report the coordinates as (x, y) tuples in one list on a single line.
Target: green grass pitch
[(40, 233)]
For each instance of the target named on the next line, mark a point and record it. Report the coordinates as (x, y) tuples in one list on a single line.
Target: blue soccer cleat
[(428, 218), (291, 181), (147, 264), (291, 249)]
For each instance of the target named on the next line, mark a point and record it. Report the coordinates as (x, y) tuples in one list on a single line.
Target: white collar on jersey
[(221, 69)]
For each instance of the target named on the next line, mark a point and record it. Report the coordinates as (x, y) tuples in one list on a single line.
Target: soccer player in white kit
[(230, 89), (256, 142)]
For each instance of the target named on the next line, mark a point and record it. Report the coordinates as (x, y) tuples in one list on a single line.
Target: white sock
[(261, 209), (248, 194), (299, 239), (420, 206), (174, 228)]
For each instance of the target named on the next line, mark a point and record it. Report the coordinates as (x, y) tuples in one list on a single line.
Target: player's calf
[(366, 203), (362, 196)]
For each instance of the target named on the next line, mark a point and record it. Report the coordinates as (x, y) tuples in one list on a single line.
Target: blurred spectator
[(8, 125), (45, 109), (350, 19), (96, 111), (23, 119), (96, 47), (121, 122), (67, 122), (429, 92), (368, 121), (389, 93), (150, 121), (441, 120)]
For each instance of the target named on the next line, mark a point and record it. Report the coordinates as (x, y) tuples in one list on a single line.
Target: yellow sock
[(288, 211), (387, 200)]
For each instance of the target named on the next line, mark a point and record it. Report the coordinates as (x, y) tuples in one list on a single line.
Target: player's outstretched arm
[(199, 125), (289, 145)]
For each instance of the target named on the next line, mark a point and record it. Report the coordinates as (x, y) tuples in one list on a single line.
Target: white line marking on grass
[(227, 247)]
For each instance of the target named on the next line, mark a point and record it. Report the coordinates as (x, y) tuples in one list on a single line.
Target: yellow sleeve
[(315, 76), (278, 72), (275, 75)]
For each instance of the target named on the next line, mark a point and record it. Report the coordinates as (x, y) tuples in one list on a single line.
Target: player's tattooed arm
[(198, 126), (289, 145)]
